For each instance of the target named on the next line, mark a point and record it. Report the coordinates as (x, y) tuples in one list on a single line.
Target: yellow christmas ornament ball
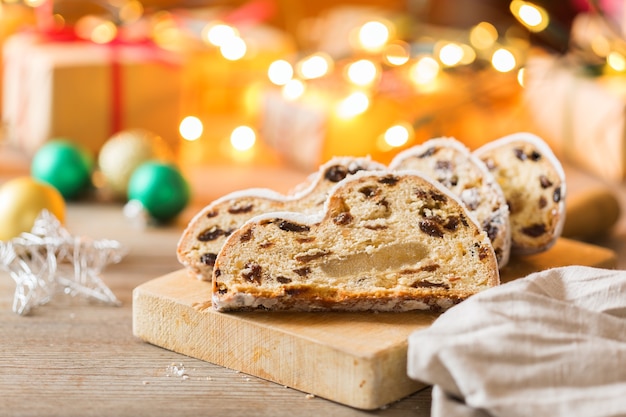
[(123, 152), (21, 200)]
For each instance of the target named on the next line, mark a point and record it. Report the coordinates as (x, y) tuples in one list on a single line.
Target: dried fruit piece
[(211, 234), (208, 258), (252, 272), (240, 208), (336, 173), (431, 228), (292, 227)]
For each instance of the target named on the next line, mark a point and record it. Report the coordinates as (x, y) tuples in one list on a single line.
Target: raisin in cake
[(386, 241), (533, 182), (206, 232), (452, 164)]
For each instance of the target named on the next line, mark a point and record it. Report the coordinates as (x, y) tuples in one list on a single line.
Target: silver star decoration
[(49, 260)]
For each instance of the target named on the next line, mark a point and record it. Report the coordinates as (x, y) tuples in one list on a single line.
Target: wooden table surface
[(71, 357), (76, 358)]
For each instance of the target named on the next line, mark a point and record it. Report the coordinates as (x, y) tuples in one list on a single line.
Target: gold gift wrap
[(581, 116), (87, 92)]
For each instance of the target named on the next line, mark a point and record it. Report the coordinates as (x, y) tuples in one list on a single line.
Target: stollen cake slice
[(533, 182), (452, 164), (205, 234), (385, 241)]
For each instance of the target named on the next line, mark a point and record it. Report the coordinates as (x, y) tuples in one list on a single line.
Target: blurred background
[(239, 93)]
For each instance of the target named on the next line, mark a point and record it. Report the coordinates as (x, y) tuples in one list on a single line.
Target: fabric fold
[(550, 344)]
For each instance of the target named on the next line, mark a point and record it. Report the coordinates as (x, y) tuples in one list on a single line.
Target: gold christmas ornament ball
[(21, 201), (123, 152)]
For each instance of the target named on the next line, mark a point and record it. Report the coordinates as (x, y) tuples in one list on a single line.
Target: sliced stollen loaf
[(452, 164), (205, 234), (533, 182), (386, 241)]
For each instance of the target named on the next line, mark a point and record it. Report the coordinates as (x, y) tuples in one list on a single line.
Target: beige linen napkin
[(550, 344)]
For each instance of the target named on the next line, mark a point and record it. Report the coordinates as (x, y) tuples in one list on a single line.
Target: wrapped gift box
[(474, 107), (580, 115), (87, 92)]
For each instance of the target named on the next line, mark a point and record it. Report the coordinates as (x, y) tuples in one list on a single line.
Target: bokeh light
[(218, 34), (233, 48), (293, 89), (314, 66), (503, 60), (362, 72), (373, 36), (616, 61), (483, 36), (242, 138), (425, 70), (280, 72), (397, 53), (533, 17), (451, 54), (190, 128), (353, 105), (398, 135)]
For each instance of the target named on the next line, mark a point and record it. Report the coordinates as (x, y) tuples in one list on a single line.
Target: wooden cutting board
[(357, 359)]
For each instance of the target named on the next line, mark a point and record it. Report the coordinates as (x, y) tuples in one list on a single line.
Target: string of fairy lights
[(376, 48)]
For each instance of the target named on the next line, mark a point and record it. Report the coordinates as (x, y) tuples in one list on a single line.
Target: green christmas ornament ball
[(160, 188), (64, 165)]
